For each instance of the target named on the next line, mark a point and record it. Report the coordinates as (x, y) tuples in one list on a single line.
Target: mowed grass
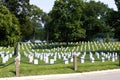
[(29, 69), (64, 69)]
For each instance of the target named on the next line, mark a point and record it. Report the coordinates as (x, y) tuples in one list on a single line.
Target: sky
[(46, 5)]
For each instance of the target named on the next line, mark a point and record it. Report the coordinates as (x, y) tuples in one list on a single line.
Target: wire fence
[(6, 65)]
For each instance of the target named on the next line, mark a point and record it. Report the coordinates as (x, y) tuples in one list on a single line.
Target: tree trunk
[(119, 59), (16, 49), (67, 40), (47, 39)]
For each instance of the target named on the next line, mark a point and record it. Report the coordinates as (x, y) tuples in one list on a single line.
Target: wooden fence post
[(75, 62), (119, 59), (17, 66)]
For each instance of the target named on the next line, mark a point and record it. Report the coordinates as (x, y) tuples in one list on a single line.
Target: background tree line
[(69, 20)]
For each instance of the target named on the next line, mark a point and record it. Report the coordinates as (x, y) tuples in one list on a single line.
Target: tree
[(20, 9), (94, 19), (36, 18), (46, 18), (28, 15), (65, 21), (9, 28), (117, 2), (116, 20)]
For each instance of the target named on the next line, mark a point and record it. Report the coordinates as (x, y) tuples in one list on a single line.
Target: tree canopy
[(69, 20), (29, 16), (116, 20), (9, 27), (65, 20), (94, 19)]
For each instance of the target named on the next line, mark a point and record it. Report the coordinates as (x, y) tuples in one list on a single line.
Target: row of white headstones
[(6, 56), (101, 56), (57, 54), (113, 56), (85, 46), (65, 56), (68, 57), (46, 57)]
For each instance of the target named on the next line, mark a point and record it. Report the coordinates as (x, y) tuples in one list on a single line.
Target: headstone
[(59, 56), (10, 55), (66, 61), (82, 59), (35, 61), (78, 54), (116, 57), (30, 58), (97, 54), (55, 57), (41, 57), (2, 55), (108, 58), (51, 61), (113, 59), (71, 60), (64, 58), (46, 60), (92, 60), (3, 60), (103, 59)]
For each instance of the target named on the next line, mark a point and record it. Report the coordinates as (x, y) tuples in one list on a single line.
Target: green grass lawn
[(27, 69), (31, 69)]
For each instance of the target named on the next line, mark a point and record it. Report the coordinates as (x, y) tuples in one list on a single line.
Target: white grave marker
[(51, 61), (103, 59), (35, 61)]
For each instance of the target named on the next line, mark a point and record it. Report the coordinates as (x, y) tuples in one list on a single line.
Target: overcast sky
[(46, 5)]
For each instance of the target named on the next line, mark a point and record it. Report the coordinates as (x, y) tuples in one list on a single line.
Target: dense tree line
[(28, 17), (75, 20), (9, 27), (69, 20)]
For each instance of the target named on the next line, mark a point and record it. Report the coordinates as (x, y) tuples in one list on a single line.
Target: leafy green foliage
[(107, 38), (26, 68), (9, 28), (116, 20), (94, 19), (69, 20), (29, 17), (65, 21), (35, 15), (117, 2)]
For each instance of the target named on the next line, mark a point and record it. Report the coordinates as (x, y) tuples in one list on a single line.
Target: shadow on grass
[(3, 65), (13, 72)]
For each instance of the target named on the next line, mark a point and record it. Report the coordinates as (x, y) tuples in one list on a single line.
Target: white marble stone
[(103, 59), (92, 60), (113, 59), (46, 60), (30, 58), (108, 58), (55, 58), (35, 61), (51, 61), (66, 61), (82, 60), (10, 55), (71, 60)]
